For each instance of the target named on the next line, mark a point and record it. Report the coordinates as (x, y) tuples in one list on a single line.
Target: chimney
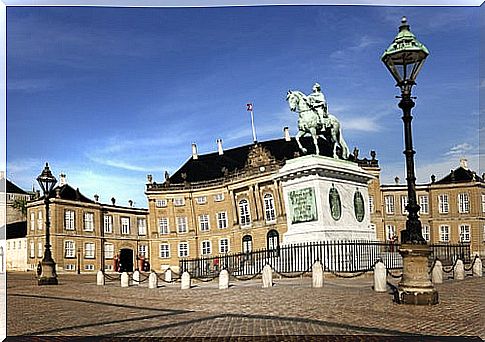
[(113, 200), (286, 132), (219, 147), (62, 179), (194, 151), (130, 202), (396, 180), (96, 198), (464, 163)]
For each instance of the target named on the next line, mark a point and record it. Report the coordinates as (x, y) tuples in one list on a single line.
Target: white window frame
[(404, 203), (371, 204), (69, 251), (206, 247), (219, 197), (40, 220), (423, 204), (244, 213), (142, 251), (390, 232), (224, 246), (222, 220), (483, 203), (178, 202), (201, 199), (89, 250), (88, 222), (89, 267), (69, 219), (204, 223), (70, 267), (163, 226), (32, 220), (40, 252), (443, 204), (108, 224), (182, 225), (164, 250), (247, 244), (142, 225), (32, 249), (389, 204), (109, 250), (463, 203), (426, 232), (444, 233), (465, 233), (269, 208), (161, 203), (183, 249), (125, 225)]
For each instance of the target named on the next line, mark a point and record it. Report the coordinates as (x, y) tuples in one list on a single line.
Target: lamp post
[(404, 58), (48, 276)]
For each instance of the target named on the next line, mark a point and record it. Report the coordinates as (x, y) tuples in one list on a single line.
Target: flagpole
[(250, 108)]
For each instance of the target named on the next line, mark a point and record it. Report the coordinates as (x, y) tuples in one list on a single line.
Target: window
[(247, 241), (272, 239), (181, 224), (389, 202), (206, 247), (219, 197), (89, 249), (183, 249), (69, 220), (160, 203), (423, 205), (201, 200), (404, 203), (70, 267), (142, 226), (40, 220), (463, 203), (444, 233), (125, 225), (425, 232), (483, 203), (204, 223), (178, 201), (269, 211), (222, 220), (69, 249), (39, 249), (32, 221), (443, 206), (163, 225), (371, 204), (88, 222), (108, 224), (142, 251), (244, 217), (465, 233), (164, 250), (20, 245), (89, 267), (390, 232), (32, 249), (223, 246), (109, 250)]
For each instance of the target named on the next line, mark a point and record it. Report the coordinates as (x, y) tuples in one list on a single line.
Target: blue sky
[(123, 92)]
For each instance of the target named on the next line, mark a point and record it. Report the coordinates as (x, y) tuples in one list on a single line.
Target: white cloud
[(364, 124), (460, 149)]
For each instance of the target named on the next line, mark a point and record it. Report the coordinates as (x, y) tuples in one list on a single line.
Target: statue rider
[(318, 103)]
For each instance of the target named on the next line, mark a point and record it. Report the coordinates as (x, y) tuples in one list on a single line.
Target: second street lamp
[(404, 58)]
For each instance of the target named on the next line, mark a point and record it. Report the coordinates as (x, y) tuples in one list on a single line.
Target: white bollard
[(223, 280), (168, 275), (317, 274), (477, 268), (185, 283), (136, 277), (459, 270), (152, 281), (100, 278), (380, 277), (267, 276), (124, 279), (437, 273)]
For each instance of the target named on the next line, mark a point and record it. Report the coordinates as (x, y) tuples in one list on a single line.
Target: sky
[(109, 95)]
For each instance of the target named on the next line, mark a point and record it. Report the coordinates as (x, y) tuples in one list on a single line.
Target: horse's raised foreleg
[(313, 132), (297, 138)]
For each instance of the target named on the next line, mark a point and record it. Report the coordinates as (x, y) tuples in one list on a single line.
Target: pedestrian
[(39, 269)]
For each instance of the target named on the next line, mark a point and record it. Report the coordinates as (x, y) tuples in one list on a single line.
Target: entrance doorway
[(126, 260)]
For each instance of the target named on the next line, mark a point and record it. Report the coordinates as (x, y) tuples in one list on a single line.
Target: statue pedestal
[(415, 286), (326, 199)]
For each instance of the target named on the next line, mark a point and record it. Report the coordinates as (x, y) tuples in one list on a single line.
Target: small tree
[(20, 204)]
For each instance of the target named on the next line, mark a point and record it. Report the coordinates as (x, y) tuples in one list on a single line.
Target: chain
[(392, 275), (452, 267), (112, 278), (473, 263)]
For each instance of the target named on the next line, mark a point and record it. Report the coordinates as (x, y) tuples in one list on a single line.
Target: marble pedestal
[(48, 275), (415, 286), (326, 199)]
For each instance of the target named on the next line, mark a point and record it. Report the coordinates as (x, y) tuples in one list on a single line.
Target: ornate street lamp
[(404, 59), (48, 276)]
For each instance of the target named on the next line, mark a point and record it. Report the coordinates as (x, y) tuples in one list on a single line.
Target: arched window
[(244, 216), (273, 239), (269, 211), (247, 242)]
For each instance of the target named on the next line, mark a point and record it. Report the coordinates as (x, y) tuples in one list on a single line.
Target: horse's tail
[(343, 144)]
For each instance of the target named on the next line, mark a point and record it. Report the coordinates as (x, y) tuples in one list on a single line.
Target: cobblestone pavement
[(77, 306)]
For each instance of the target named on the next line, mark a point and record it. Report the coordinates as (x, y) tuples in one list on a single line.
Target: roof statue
[(314, 119)]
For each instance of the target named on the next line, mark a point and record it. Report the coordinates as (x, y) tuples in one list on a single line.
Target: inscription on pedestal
[(302, 205)]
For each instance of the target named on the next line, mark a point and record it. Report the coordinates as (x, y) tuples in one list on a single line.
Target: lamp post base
[(415, 286), (48, 275)]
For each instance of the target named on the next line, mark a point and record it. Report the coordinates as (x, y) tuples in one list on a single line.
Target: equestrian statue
[(314, 119)]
